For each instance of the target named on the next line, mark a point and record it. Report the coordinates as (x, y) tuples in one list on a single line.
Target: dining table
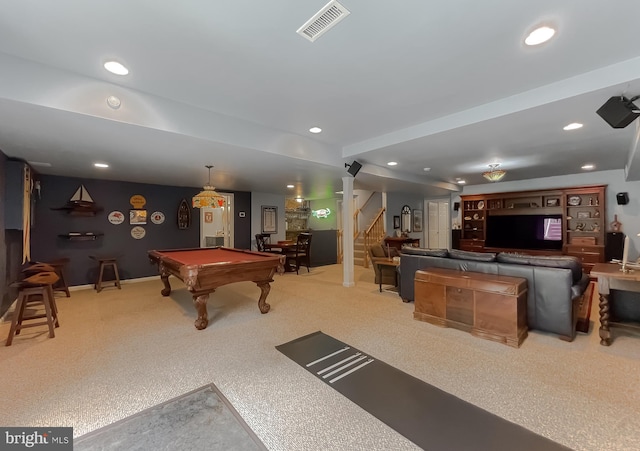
[(286, 247)]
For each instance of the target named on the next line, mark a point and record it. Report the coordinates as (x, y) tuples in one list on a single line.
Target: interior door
[(216, 224), (444, 229), (438, 224)]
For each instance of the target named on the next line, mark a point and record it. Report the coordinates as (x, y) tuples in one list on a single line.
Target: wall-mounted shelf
[(80, 204), (76, 236)]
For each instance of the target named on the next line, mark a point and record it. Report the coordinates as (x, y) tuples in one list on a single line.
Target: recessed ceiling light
[(113, 102), (588, 167), (315, 129), (116, 68), (290, 186), (572, 126), (539, 35), (101, 165), (426, 169), (461, 182), (392, 163)]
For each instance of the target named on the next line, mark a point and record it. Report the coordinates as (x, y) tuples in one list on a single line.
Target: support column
[(347, 235)]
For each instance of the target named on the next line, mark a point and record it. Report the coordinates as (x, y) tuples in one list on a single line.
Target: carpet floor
[(120, 352)]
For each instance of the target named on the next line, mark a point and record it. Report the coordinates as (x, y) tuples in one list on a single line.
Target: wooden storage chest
[(489, 306)]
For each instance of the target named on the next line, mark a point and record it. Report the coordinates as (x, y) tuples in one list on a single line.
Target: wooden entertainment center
[(581, 229)]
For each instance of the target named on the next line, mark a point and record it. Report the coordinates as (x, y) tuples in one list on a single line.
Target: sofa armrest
[(579, 288)]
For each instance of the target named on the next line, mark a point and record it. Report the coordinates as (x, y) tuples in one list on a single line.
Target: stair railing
[(356, 231), (373, 234)]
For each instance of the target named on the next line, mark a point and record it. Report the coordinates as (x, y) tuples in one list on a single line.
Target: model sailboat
[(81, 204)]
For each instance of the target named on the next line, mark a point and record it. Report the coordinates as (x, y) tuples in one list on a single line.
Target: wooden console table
[(399, 241), (487, 305), (610, 277)]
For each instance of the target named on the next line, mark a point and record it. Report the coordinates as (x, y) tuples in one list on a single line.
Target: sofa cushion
[(549, 261), (423, 251), (475, 256)]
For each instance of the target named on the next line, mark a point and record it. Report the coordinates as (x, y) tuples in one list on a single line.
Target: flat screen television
[(540, 232)]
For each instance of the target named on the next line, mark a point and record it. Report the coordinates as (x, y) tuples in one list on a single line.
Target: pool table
[(204, 269)]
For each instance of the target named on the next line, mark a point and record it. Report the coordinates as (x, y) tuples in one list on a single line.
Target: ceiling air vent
[(332, 13)]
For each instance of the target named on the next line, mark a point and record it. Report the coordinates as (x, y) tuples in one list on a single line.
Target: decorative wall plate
[(480, 205), (138, 232), (157, 217), (574, 200), (116, 217), (476, 216)]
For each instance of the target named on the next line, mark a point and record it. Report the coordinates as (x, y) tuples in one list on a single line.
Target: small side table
[(393, 264)]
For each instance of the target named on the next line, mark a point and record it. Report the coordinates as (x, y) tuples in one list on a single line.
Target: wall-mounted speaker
[(622, 198), (614, 246), (456, 206), (353, 168), (618, 112)]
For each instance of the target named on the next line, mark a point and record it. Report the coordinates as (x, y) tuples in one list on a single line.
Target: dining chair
[(302, 252), (261, 240)]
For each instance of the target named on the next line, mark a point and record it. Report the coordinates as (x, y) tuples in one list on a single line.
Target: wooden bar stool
[(35, 289), (58, 266), (36, 268), (106, 262)]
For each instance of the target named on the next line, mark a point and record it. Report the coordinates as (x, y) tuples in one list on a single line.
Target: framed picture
[(417, 220), (269, 219), (396, 222), (553, 202), (584, 214), (137, 217)]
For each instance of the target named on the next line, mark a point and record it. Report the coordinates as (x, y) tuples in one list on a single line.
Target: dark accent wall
[(4, 291), (46, 244), (324, 247)]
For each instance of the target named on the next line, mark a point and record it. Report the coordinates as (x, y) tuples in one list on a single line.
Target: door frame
[(227, 225)]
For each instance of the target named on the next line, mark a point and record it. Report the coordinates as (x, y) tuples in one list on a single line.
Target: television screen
[(540, 232)]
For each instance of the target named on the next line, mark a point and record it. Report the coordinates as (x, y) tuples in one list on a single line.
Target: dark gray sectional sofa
[(556, 284)]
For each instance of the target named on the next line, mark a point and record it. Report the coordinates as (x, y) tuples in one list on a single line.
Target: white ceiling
[(446, 85)]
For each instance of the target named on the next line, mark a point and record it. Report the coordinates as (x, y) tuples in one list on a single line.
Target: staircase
[(358, 251), (372, 233)]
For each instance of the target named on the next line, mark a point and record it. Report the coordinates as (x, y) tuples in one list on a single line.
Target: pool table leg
[(262, 302), (166, 291), (200, 302)]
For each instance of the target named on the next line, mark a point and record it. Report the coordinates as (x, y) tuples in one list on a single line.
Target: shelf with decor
[(585, 224), (80, 204), (568, 221), (473, 222), (296, 216), (78, 236)]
